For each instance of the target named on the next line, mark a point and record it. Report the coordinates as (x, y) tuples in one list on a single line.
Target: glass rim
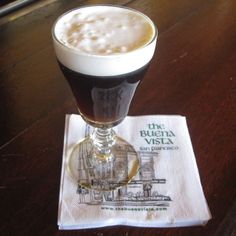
[(154, 37)]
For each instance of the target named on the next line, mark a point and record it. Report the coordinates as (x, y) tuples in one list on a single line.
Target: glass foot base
[(103, 174)]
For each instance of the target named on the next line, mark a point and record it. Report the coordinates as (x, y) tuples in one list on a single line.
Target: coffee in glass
[(103, 52)]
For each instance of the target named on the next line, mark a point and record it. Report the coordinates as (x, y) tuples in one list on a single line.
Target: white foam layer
[(104, 40)]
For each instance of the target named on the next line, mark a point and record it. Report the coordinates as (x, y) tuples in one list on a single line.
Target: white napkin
[(166, 192)]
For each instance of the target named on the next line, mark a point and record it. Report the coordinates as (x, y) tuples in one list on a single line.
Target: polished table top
[(192, 74)]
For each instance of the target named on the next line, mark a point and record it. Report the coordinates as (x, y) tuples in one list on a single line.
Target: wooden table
[(192, 74)]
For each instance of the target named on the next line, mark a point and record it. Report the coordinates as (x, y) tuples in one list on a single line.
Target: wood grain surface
[(192, 74)]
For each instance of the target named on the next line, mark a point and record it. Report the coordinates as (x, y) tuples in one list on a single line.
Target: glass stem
[(103, 140)]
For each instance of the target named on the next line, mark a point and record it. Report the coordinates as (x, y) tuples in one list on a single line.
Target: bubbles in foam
[(91, 31), (104, 40)]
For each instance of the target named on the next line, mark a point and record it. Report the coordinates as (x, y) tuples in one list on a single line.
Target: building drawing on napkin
[(141, 191)]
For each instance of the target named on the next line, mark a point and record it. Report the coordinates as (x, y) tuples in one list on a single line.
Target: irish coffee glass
[(99, 55)]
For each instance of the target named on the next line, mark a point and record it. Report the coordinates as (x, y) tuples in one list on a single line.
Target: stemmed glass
[(103, 67)]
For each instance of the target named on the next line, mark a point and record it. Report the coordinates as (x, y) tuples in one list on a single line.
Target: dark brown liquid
[(103, 99)]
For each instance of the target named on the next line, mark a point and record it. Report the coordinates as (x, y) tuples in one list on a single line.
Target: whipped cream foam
[(104, 40)]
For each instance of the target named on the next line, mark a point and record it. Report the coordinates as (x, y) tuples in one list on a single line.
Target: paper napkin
[(166, 192)]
